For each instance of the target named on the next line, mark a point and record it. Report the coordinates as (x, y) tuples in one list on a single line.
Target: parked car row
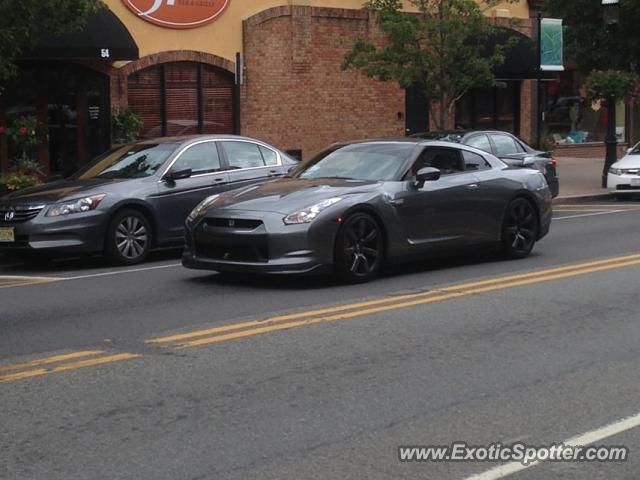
[(251, 208)]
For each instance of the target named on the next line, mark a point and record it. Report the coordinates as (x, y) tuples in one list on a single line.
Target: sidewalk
[(580, 177)]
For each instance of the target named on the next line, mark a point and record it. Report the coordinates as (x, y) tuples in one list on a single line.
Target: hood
[(60, 190), (628, 161), (289, 195)]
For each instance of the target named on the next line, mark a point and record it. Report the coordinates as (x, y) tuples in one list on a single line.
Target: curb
[(582, 197)]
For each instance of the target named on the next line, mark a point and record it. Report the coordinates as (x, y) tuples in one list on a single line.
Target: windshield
[(377, 162), (131, 161), (635, 150)]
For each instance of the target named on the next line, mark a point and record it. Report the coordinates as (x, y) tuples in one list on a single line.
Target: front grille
[(250, 250), (628, 187), (233, 223), (19, 213)]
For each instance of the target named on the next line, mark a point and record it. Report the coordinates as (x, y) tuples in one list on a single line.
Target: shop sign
[(177, 13)]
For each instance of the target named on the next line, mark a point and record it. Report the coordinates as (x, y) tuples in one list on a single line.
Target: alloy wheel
[(521, 227), (362, 247), (132, 238)]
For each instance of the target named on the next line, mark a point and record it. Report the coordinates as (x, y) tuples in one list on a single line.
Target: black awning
[(105, 37), (521, 62)]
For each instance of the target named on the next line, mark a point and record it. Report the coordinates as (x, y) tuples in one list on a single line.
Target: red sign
[(177, 13)]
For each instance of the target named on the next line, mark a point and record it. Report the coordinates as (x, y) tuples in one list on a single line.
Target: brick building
[(179, 71)]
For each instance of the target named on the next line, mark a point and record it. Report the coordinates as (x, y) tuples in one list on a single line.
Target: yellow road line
[(50, 360), (9, 281), (341, 308), (397, 306), (12, 377)]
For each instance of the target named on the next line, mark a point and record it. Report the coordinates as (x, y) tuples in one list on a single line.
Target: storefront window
[(71, 107), (490, 108), (570, 117), (182, 98)]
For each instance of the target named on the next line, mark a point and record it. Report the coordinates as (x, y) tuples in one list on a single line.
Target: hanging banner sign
[(177, 13), (551, 45)]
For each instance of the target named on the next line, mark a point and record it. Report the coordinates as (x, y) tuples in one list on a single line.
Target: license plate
[(635, 182), (7, 235)]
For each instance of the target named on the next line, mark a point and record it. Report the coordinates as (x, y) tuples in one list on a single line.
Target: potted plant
[(24, 171), (126, 126)]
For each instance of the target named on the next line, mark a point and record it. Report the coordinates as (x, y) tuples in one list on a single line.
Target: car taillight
[(554, 162)]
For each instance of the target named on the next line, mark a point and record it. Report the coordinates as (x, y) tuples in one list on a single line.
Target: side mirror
[(292, 168), (174, 175), (427, 174)]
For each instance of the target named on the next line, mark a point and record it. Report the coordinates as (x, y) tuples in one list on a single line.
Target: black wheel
[(128, 238), (359, 249), (520, 229)]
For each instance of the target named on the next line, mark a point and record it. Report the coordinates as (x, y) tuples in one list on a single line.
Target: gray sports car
[(356, 206)]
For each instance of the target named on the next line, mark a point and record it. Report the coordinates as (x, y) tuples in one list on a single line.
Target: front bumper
[(80, 233), (623, 184), (258, 242)]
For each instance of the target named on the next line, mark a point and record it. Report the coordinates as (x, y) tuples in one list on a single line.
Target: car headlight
[(310, 213), (616, 171), (202, 207), (80, 205)]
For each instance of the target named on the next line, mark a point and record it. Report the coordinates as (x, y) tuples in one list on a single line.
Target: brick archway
[(119, 91)]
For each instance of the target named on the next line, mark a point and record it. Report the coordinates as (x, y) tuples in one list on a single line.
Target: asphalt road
[(163, 373)]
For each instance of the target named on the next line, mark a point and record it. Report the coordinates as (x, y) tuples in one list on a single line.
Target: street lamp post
[(611, 16)]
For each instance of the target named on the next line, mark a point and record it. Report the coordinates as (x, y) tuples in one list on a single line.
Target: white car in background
[(624, 175)]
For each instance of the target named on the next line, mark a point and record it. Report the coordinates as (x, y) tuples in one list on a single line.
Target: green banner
[(551, 45)]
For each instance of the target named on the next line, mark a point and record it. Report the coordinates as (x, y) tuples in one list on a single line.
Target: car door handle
[(473, 186), (219, 180), (274, 173)]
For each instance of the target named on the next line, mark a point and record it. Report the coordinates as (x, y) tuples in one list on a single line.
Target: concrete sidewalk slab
[(580, 178)]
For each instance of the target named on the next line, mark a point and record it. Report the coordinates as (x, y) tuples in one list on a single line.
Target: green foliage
[(590, 42), (22, 133), (16, 180), (442, 49), (615, 84), (24, 22), (126, 126)]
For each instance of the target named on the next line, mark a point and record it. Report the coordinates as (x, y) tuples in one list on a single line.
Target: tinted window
[(480, 142), (243, 155), (132, 161), (200, 158), (269, 156), (473, 161), (505, 145), (379, 162), (447, 160)]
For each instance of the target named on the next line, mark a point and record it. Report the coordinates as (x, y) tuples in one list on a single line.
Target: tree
[(24, 22), (590, 42), (608, 53), (441, 49)]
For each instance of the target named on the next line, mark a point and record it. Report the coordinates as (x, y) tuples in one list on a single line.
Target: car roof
[(185, 139)]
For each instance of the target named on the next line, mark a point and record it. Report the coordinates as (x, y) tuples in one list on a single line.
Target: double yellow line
[(91, 358), (59, 363), (332, 314)]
